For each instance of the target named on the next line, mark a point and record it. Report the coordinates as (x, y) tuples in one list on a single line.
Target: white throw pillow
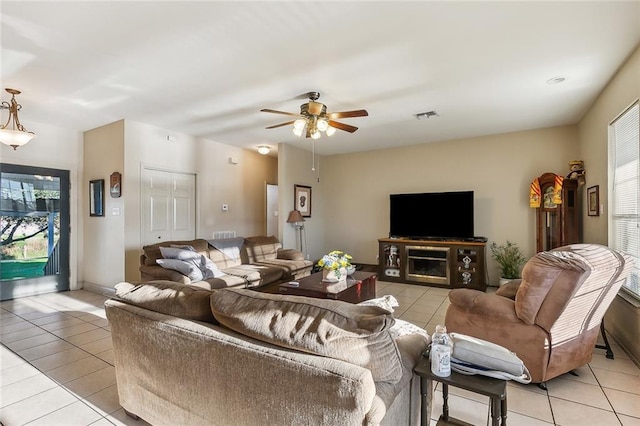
[(206, 267), (185, 268)]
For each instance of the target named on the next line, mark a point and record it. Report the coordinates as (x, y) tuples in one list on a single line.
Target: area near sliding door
[(34, 225)]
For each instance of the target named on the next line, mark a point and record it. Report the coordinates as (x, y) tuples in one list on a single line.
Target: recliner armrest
[(509, 289), (489, 306)]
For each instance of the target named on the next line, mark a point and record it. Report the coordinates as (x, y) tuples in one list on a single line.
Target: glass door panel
[(34, 225)]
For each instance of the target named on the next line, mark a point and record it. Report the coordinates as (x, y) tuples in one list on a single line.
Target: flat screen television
[(438, 215)]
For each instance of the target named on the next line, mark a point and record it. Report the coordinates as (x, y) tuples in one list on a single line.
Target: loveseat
[(185, 355), (238, 262)]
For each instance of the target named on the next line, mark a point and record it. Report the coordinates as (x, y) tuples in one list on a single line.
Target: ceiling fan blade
[(280, 125), (348, 114), (273, 111), (342, 126)]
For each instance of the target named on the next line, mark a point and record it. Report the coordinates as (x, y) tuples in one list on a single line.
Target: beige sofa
[(185, 355), (245, 262)]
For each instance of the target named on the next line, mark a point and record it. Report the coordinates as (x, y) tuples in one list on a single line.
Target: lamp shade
[(295, 216), (15, 138)]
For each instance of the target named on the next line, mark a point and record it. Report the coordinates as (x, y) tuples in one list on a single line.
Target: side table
[(495, 389)]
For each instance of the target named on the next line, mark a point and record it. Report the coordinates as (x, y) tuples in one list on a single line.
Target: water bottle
[(441, 352)]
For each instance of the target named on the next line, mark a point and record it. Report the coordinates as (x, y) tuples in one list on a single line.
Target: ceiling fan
[(314, 118)]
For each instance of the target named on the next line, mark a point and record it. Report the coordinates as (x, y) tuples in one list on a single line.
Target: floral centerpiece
[(335, 265)]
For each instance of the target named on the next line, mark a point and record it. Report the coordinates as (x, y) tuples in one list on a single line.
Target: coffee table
[(360, 286)]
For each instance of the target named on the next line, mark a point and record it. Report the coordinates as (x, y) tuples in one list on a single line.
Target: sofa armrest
[(290, 254), (152, 273)]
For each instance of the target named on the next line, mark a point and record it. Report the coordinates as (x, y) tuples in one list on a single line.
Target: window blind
[(624, 159)]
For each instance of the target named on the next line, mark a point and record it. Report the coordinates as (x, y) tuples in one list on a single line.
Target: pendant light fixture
[(13, 133)]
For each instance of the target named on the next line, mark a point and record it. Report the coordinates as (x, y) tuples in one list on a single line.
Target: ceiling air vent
[(428, 114)]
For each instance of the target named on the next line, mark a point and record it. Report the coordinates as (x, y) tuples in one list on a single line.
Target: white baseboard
[(99, 289)]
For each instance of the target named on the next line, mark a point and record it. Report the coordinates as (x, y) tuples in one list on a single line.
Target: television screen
[(432, 215)]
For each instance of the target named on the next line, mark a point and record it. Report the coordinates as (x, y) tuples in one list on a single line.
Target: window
[(624, 201)]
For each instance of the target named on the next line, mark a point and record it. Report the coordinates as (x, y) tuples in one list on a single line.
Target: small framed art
[(96, 197), (302, 197), (593, 201)]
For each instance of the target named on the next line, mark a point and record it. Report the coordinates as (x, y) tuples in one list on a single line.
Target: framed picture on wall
[(593, 201), (302, 197), (96, 197)]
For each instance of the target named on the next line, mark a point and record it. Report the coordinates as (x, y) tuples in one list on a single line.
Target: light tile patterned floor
[(56, 368)]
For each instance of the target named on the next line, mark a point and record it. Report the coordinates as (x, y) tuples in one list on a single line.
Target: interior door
[(168, 206), (34, 223), (272, 210)]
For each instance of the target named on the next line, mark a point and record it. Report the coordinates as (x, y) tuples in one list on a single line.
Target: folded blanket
[(230, 247)]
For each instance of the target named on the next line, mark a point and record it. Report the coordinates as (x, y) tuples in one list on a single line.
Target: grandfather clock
[(557, 224)]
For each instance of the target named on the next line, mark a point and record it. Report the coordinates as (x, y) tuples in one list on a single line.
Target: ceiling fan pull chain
[(313, 155)]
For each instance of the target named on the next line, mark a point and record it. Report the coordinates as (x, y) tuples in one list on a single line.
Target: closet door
[(168, 206)]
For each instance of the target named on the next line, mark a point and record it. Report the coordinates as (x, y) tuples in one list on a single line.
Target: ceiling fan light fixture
[(314, 119), (299, 124), (322, 125), (264, 149), (315, 134)]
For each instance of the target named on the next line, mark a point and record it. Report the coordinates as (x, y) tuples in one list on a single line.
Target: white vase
[(334, 275), (503, 281)]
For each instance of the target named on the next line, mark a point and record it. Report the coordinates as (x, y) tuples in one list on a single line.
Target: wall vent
[(219, 235)]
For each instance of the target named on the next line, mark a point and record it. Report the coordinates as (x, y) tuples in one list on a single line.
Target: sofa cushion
[(255, 275), (185, 268), (290, 268), (261, 248), (356, 334), (152, 251), (170, 298)]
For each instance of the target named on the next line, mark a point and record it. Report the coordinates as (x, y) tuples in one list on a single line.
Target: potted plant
[(510, 258)]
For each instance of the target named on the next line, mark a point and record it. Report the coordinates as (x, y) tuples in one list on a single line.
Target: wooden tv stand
[(436, 263)]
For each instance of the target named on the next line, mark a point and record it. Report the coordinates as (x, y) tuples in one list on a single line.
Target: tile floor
[(56, 368)]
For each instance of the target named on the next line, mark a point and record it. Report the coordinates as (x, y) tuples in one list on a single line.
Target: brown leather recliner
[(552, 323)]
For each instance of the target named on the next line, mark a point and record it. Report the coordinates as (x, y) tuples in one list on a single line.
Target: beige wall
[(57, 148), (622, 91), (498, 168), (103, 266), (295, 168), (623, 318)]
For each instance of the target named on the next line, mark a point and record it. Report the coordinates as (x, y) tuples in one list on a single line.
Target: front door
[(34, 220)]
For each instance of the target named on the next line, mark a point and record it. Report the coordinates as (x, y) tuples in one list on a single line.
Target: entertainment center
[(431, 241), (438, 263)]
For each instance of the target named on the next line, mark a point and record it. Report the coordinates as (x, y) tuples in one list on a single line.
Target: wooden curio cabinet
[(557, 224)]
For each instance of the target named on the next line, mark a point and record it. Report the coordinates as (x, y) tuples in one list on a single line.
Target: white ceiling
[(207, 68)]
